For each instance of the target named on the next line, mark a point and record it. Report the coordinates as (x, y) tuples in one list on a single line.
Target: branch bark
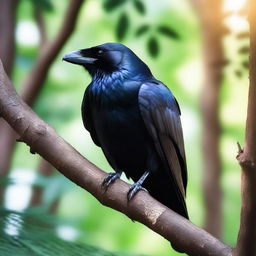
[(7, 54), (41, 26), (211, 20), (7, 29), (36, 78), (246, 245), (43, 139)]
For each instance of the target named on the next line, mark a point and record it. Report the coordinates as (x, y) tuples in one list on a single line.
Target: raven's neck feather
[(121, 75), (114, 89)]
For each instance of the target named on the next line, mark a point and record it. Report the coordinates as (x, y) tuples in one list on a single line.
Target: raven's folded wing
[(87, 116), (161, 115)]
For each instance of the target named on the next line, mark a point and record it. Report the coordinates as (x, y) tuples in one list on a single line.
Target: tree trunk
[(211, 21), (7, 33), (246, 245)]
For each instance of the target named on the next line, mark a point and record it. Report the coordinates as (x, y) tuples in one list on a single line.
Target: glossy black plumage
[(135, 119)]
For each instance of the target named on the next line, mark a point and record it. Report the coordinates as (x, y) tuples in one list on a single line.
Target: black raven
[(135, 119)]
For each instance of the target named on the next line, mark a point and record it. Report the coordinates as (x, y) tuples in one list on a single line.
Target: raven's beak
[(76, 57)]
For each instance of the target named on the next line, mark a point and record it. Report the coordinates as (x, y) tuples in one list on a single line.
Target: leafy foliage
[(31, 233), (122, 26), (244, 50), (142, 30), (245, 64), (153, 46), (45, 5), (110, 5), (238, 73), (139, 6), (169, 32)]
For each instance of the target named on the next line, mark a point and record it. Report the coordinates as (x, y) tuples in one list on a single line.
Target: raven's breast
[(123, 138)]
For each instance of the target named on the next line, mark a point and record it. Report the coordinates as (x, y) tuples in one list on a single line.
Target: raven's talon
[(110, 179), (133, 190)]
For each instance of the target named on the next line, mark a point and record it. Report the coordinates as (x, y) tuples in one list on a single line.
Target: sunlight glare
[(67, 233), (27, 33), (237, 23), (17, 195), (234, 5)]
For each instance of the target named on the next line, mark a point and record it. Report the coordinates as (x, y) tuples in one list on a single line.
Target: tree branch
[(7, 29), (36, 78), (43, 139), (41, 26), (246, 245), (7, 142)]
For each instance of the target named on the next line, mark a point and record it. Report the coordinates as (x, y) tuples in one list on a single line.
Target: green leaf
[(244, 50), (45, 5), (245, 64), (238, 73), (153, 46), (110, 5), (139, 6), (122, 26), (169, 32), (142, 30)]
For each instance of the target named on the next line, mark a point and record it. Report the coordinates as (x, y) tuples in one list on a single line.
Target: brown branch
[(43, 139), (36, 78), (246, 245), (7, 31), (7, 55), (41, 26), (7, 142)]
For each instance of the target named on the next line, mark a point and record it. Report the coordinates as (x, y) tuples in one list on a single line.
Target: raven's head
[(108, 58)]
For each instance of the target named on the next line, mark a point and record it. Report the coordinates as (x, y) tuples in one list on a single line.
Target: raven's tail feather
[(162, 188)]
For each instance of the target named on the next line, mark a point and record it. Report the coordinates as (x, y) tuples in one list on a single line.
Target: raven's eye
[(100, 52)]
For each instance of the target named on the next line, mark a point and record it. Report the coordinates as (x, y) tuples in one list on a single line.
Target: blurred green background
[(174, 56)]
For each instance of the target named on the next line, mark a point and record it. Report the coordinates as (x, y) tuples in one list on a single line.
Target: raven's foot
[(136, 187), (110, 179)]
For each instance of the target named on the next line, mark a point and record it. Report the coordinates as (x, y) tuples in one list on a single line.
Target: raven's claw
[(134, 189), (110, 179)]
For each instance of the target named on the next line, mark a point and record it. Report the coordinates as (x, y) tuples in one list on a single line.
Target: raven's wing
[(87, 116), (161, 114)]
